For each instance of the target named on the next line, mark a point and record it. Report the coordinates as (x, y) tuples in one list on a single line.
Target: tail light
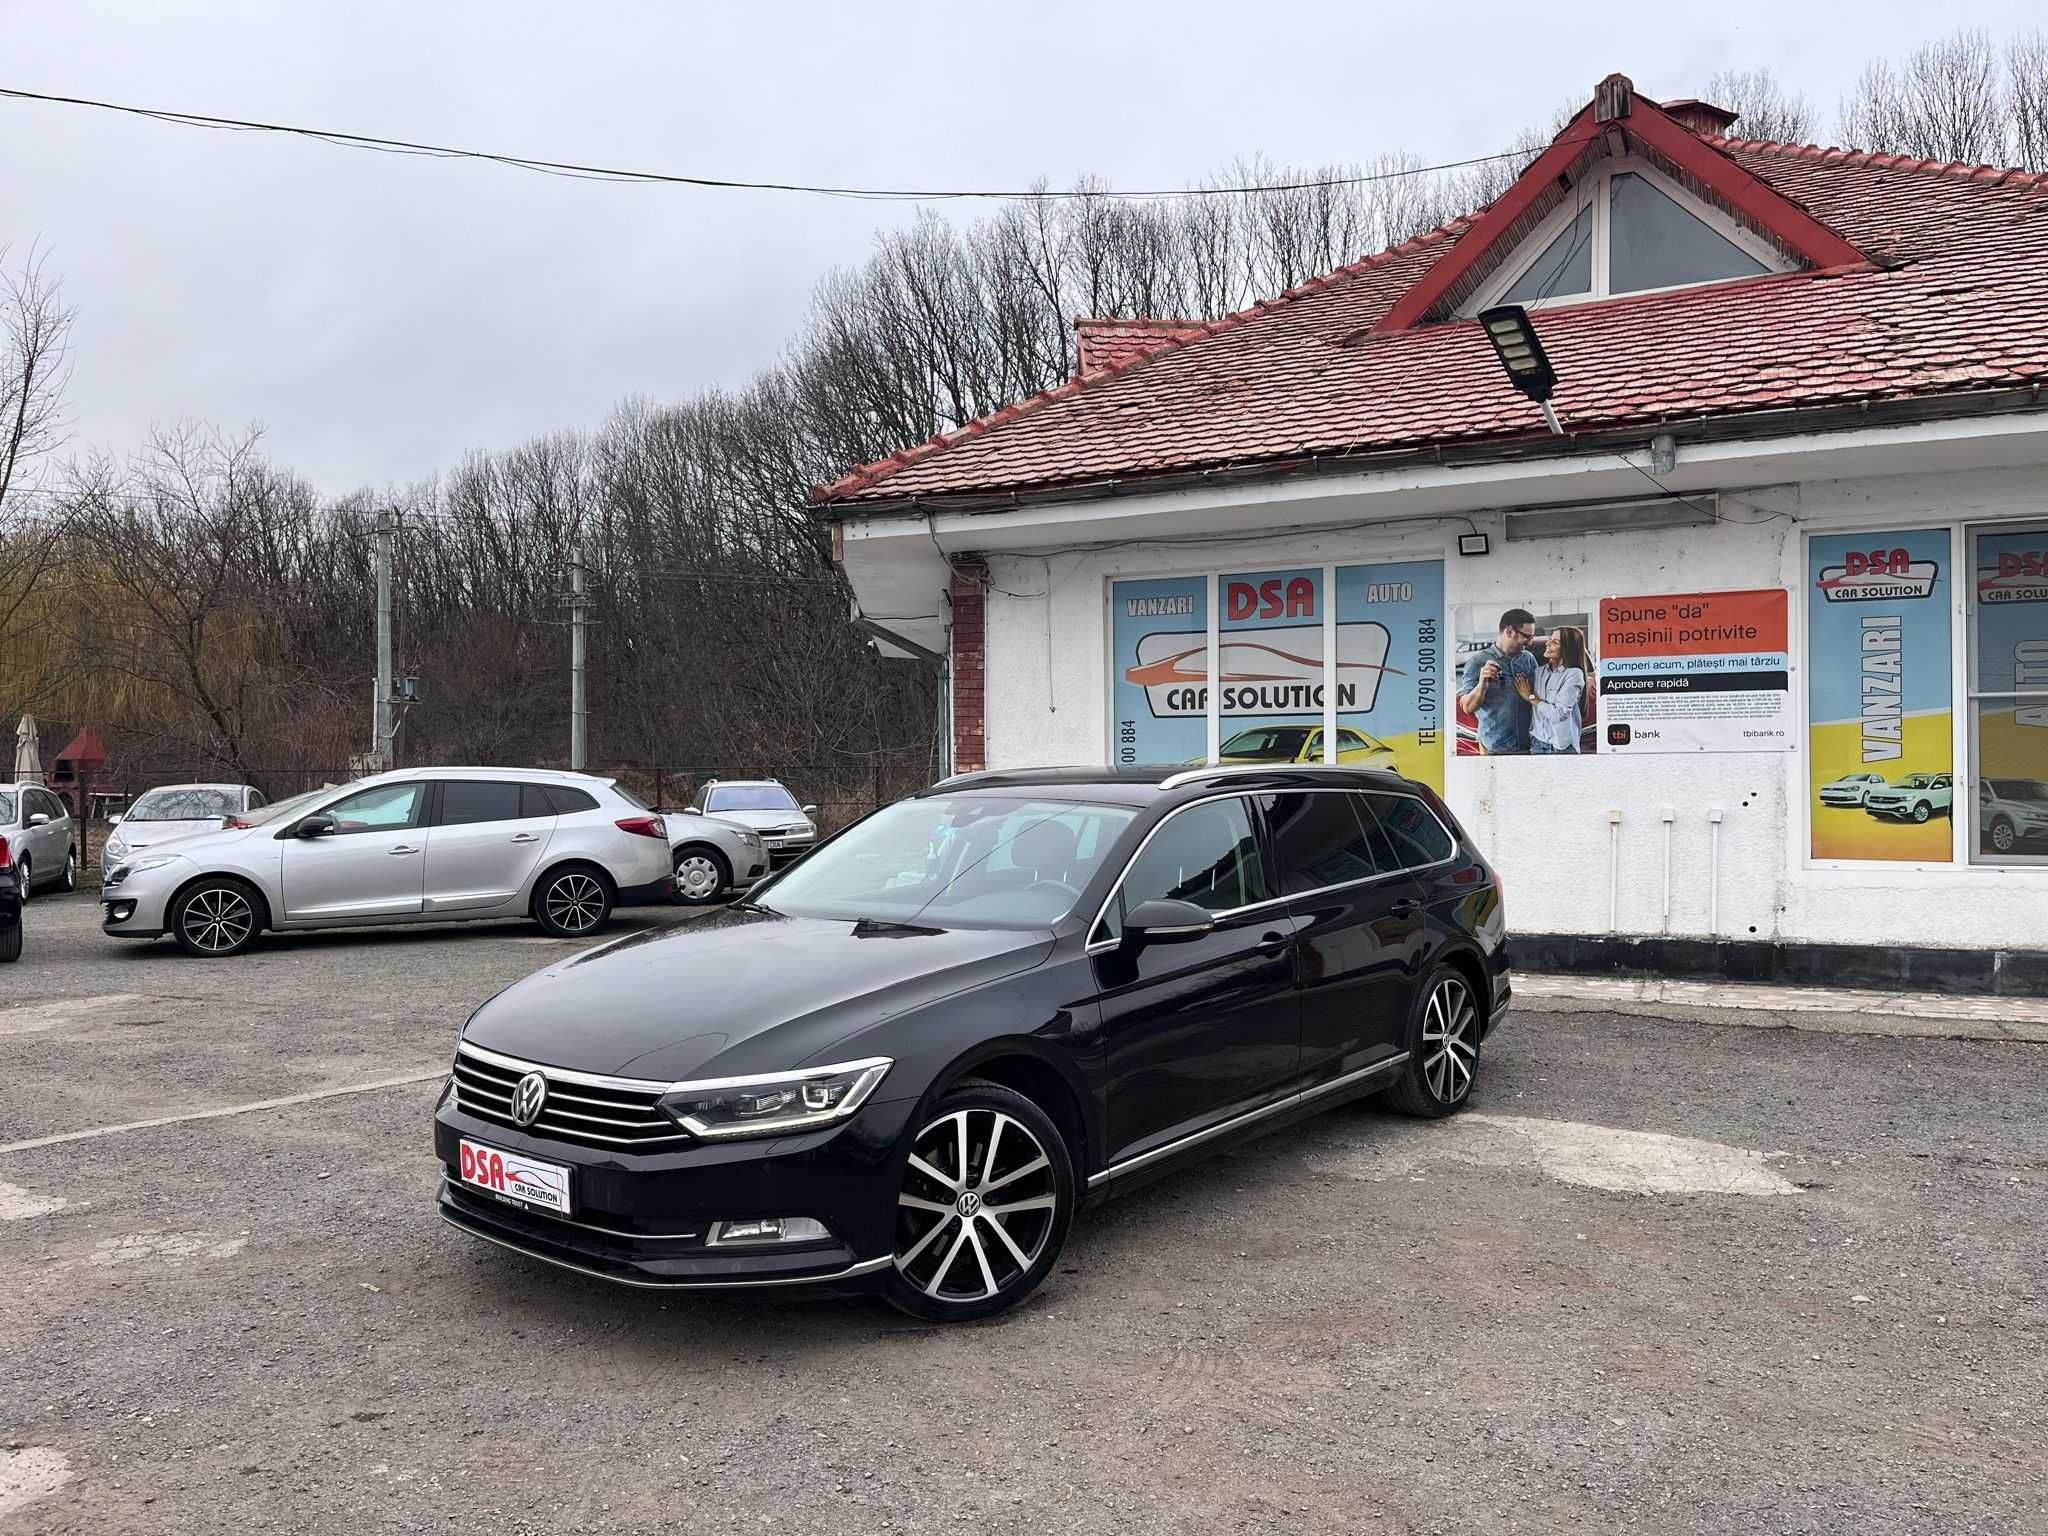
[(644, 826), (235, 824), (6, 858)]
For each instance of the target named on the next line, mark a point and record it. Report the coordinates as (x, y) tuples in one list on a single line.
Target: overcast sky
[(380, 315)]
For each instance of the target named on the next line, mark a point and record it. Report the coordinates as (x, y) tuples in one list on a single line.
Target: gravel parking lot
[(1667, 1275)]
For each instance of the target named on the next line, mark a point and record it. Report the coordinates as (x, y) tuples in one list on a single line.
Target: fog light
[(121, 911), (767, 1229)]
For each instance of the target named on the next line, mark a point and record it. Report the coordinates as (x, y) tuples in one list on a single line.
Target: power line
[(347, 140)]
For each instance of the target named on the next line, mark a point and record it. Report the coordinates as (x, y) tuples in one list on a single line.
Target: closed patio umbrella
[(28, 755)]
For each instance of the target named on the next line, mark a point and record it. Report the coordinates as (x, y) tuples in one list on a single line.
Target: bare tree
[(34, 329), (1763, 108), (1947, 102), (2026, 98)]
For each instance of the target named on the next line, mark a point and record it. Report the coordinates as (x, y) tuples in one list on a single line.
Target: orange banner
[(1695, 624)]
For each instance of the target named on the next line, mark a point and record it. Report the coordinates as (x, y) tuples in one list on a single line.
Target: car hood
[(191, 845), (743, 990), (765, 821), (147, 834)]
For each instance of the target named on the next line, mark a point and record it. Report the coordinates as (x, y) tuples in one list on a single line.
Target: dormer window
[(1626, 229)]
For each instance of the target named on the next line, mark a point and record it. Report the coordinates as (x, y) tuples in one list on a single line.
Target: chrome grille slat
[(631, 1116)]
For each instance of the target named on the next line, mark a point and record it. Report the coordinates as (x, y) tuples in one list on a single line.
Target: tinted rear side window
[(1416, 835), (465, 801), (534, 800), (1319, 841), (569, 801)]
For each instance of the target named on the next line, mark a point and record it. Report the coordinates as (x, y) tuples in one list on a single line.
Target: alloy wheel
[(1450, 1041), (696, 877), (2002, 837), (978, 1204), (575, 903), (218, 919), (1922, 811)]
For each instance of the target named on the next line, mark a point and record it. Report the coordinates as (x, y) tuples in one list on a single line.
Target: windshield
[(749, 797), (973, 861), (296, 805), (2006, 789), (1270, 742), (1919, 780), (185, 802)]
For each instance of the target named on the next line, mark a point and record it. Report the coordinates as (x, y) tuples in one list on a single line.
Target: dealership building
[(1707, 577)]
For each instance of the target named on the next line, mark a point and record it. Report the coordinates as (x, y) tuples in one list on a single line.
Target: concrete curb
[(1840, 1011)]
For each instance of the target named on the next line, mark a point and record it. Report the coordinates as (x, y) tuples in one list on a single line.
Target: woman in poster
[(1557, 694)]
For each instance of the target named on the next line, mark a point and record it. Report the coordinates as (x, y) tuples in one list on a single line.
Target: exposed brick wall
[(969, 653)]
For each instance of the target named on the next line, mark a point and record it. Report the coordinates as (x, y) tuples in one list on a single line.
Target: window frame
[(419, 809), (1972, 695), (1596, 187), (518, 788), (1099, 944)]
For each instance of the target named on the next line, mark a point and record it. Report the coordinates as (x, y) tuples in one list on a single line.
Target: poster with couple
[(1667, 672)]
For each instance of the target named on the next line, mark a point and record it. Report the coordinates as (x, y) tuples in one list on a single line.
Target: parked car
[(39, 829), (906, 1061), (176, 810), (1850, 788), (10, 907), (1301, 744), (713, 856), (764, 805), (421, 845), (1914, 798), (2011, 812)]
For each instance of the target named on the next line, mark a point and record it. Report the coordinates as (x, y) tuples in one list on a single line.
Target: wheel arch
[(265, 919), (700, 845), (569, 861), (1046, 1082), (1468, 963)]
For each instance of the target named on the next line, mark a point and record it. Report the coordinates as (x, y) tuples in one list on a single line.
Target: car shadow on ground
[(401, 935)]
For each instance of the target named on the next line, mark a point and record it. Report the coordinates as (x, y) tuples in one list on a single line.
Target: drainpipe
[(1714, 872), (1670, 817), (1614, 871)]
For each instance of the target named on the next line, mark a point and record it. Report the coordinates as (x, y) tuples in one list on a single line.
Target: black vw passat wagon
[(905, 1061)]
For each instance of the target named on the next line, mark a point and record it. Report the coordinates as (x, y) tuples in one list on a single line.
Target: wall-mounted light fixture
[(1612, 517), (1528, 367), (1472, 544)]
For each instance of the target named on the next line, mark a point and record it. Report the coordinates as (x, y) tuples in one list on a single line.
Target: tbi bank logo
[(2017, 576)]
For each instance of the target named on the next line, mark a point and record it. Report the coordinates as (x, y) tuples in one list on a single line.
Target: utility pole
[(579, 711), (383, 728)]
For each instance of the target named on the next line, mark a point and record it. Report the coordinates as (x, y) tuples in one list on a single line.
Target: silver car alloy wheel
[(575, 903), (697, 877), (978, 1204), (218, 919), (1450, 1041), (2002, 836)]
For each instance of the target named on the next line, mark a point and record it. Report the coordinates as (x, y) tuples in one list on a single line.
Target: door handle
[(1275, 943), (398, 851), (1407, 906), (526, 837)]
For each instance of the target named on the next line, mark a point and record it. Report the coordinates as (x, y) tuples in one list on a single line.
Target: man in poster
[(1491, 692)]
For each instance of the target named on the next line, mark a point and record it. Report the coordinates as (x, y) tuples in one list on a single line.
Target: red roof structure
[(1109, 343), (1917, 284)]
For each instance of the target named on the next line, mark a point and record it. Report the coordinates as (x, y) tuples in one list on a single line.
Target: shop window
[(2008, 625)]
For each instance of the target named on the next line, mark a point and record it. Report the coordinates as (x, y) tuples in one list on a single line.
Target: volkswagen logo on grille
[(528, 1099)]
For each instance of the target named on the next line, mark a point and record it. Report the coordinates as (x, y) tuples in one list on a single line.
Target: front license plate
[(516, 1177)]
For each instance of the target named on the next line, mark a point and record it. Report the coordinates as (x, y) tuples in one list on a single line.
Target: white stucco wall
[(1545, 823)]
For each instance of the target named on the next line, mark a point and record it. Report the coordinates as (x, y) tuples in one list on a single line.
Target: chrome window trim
[(1235, 1122), (1103, 946)]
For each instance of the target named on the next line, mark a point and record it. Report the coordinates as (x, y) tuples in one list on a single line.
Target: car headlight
[(140, 865), (750, 839), (115, 849), (775, 1103)]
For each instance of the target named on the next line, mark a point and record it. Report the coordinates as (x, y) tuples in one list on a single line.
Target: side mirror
[(691, 810), (39, 819), (1167, 922), (810, 810), (314, 826), (113, 821)]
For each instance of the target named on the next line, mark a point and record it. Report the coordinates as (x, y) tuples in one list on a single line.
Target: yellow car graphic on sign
[(1301, 744)]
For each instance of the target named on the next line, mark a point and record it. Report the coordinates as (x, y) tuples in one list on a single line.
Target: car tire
[(958, 1256), (702, 875), (24, 878), (1443, 1048), (573, 902), (69, 882), (216, 918), (1921, 811), (2003, 835), (10, 943)]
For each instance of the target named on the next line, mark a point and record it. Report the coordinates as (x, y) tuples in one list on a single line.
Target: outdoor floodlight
[(1472, 544), (1514, 339)]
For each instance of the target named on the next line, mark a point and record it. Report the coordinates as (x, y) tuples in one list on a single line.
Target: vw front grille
[(611, 1112)]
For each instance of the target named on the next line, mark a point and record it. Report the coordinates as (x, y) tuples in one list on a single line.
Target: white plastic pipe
[(1670, 816), (1714, 872), (1614, 871)]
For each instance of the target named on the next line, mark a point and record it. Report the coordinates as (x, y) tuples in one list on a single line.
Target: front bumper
[(782, 851), (137, 908), (644, 1219), (1840, 797)]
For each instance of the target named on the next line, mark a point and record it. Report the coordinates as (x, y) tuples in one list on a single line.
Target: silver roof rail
[(1190, 775)]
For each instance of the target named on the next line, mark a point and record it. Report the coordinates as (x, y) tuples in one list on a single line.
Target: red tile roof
[(1957, 301), (1111, 343)]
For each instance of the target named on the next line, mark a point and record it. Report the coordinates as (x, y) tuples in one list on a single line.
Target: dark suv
[(905, 1061)]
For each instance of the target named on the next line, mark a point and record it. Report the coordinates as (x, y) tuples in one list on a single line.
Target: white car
[(1850, 788), (769, 809), (714, 855), (421, 845), (38, 829), (1914, 798), (176, 810), (2011, 812)]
